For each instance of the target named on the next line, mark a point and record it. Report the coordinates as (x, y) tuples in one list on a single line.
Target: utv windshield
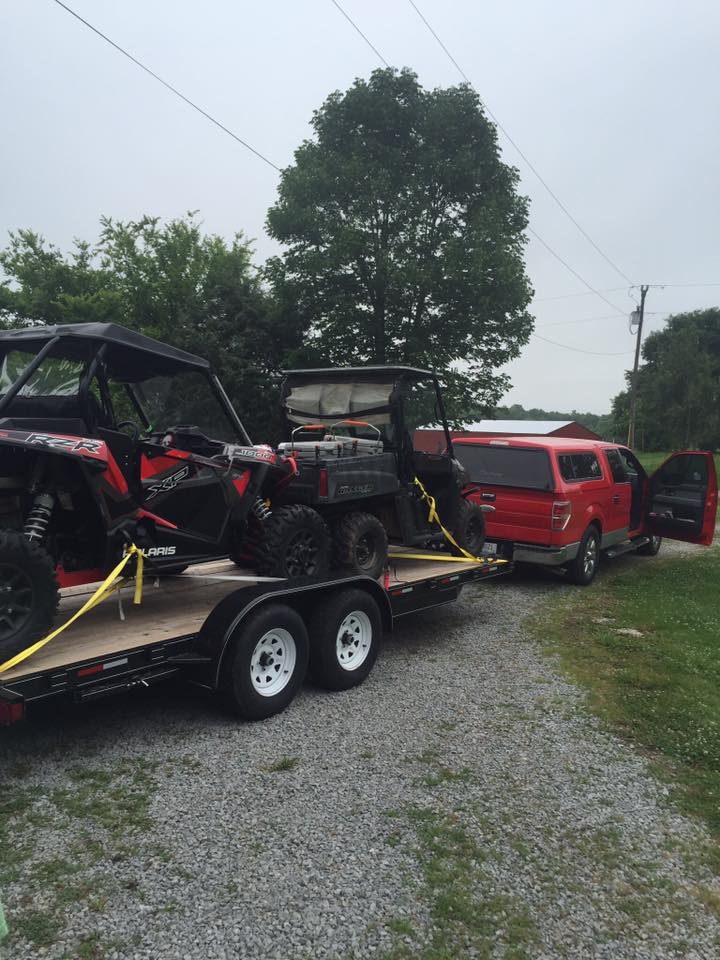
[(187, 399), (55, 377)]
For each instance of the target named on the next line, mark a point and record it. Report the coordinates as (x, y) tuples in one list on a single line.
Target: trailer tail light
[(11, 712), (561, 513), (323, 482)]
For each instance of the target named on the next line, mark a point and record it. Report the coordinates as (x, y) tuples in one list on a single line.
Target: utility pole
[(636, 317)]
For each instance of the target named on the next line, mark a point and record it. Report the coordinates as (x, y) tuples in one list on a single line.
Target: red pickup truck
[(564, 502)]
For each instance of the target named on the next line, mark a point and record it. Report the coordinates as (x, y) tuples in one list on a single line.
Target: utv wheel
[(266, 663), (294, 544), (652, 548), (470, 527), (361, 544), (345, 634), (585, 565), (29, 594)]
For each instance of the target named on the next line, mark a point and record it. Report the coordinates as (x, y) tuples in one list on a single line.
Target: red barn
[(433, 441)]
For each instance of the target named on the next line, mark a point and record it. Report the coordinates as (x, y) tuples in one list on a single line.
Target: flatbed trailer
[(249, 640)]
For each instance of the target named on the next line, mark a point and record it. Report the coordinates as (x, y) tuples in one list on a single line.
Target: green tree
[(678, 384), (170, 281), (404, 237)]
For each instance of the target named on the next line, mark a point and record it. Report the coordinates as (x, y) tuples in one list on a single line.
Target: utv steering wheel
[(135, 430)]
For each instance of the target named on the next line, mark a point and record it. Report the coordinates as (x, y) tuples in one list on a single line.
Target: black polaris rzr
[(350, 438), (107, 438)]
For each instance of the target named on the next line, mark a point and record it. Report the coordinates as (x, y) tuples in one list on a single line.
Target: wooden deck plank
[(178, 606)]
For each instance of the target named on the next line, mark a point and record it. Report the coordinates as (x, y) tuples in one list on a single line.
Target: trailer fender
[(227, 617)]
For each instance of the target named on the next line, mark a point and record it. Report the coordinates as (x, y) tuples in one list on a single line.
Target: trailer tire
[(345, 633), (469, 529), (266, 662), (29, 594), (294, 544), (361, 544)]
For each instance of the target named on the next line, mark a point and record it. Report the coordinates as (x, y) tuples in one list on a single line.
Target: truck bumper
[(547, 556)]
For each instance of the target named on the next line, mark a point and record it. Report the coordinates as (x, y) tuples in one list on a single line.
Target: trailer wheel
[(29, 594), (266, 662), (345, 634), (361, 544)]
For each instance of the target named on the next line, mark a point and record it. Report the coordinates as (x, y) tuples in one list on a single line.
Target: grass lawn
[(661, 689), (651, 461)]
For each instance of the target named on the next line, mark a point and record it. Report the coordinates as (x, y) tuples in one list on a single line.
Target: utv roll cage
[(376, 394), (110, 352)]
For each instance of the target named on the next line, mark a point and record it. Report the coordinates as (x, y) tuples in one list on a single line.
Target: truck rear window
[(506, 466), (579, 466)]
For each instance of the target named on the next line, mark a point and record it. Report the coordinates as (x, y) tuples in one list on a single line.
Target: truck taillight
[(561, 513)]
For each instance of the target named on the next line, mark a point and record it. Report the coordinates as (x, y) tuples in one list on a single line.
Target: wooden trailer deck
[(178, 606)]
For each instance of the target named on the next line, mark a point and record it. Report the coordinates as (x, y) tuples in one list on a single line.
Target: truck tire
[(294, 544), (345, 633), (361, 544), (266, 662), (29, 594), (652, 548), (583, 568), (469, 529)]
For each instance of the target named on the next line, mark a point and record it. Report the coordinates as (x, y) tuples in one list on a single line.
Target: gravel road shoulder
[(461, 803)]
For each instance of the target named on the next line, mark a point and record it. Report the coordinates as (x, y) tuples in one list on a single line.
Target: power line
[(169, 86), (574, 272), (591, 353), (569, 296), (357, 28), (534, 169), (611, 316), (530, 230)]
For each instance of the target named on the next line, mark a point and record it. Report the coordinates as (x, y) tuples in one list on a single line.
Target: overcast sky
[(615, 103)]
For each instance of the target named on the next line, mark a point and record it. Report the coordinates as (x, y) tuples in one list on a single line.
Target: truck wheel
[(470, 527), (361, 544), (583, 568), (266, 662), (295, 543), (345, 634), (29, 594), (652, 548)]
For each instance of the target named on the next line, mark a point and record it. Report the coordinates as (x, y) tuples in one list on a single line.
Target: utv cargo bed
[(209, 623)]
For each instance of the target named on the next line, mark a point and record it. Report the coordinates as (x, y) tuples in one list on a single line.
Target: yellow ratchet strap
[(112, 582), (433, 517)]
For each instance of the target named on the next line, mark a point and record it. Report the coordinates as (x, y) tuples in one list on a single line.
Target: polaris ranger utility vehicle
[(107, 438), (349, 436)]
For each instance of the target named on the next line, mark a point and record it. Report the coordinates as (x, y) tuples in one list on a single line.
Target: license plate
[(489, 549)]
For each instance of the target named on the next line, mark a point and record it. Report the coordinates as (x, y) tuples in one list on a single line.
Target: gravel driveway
[(460, 803)]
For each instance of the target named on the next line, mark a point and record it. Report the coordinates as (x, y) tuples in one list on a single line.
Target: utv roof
[(372, 372), (130, 355)]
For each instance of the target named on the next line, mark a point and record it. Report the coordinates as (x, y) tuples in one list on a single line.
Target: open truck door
[(683, 498)]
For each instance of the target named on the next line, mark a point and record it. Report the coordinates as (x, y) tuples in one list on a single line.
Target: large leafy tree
[(404, 237), (170, 281), (678, 384)]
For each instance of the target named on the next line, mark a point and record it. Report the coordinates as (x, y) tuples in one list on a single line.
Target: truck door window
[(616, 466), (575, 467)]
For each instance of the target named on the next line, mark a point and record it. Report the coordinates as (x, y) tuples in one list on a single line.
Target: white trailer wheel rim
[(354, 639), (272, 664)]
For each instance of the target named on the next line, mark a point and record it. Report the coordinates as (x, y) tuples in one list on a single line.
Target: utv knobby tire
[(295, 544), (345, 633), (361, 544), (469, 529), (29, 594)]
